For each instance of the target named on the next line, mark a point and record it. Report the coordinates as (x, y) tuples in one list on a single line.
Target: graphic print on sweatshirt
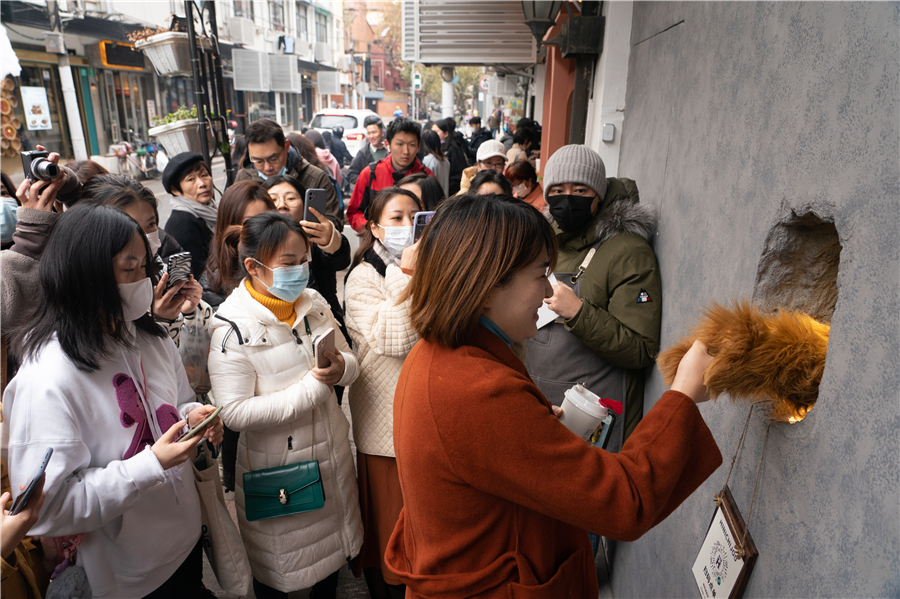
[(132, 414)]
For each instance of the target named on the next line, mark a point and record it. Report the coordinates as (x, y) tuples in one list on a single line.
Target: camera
[(37, 167)]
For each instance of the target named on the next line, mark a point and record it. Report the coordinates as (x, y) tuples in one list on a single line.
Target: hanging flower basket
[(182, 136), (169, 52)]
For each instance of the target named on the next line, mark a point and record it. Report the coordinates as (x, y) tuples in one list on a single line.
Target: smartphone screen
[(422, 219), (315, 198)]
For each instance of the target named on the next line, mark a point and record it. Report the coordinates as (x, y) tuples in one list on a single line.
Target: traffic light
[(367, 70), (417, 82)]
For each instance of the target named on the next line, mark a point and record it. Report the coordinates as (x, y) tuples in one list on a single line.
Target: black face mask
[(570, 212)]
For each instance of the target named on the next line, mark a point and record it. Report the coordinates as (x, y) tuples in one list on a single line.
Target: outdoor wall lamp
[(580, 35), (540, 16)]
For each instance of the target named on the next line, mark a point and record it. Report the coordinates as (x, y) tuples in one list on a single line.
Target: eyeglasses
[(496, 165), (289, 200), (273, 160)]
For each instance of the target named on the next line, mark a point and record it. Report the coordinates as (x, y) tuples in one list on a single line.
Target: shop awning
[(374, 95), (314, 67)]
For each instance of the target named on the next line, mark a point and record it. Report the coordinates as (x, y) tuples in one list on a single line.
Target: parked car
[(350, 120)]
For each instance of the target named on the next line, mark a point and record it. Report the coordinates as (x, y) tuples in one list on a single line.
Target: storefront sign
[(36, 108), (727, 555), (151, 110)]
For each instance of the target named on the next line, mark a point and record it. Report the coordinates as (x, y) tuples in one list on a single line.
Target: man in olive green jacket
[(609, 296)]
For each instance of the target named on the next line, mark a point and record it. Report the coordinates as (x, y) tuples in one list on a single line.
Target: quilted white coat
[(262, 377), (382, 336)]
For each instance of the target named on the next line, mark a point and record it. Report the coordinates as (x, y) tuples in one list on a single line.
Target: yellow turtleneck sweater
[(283, 311)]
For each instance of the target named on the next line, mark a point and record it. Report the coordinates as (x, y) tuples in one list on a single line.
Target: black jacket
[(340, 152), (194, 235), (479, 138), (457, 158), (361, 161)]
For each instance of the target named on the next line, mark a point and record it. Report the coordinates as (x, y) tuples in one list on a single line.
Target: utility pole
[(70, 96)]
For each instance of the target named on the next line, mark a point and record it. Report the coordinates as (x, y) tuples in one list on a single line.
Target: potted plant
[(167, 50), (180, 131)]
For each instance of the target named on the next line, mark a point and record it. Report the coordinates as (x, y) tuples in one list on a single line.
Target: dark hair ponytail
[(262, 235)]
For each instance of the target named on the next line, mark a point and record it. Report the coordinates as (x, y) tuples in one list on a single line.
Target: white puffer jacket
[(261, 374), (382, 337)]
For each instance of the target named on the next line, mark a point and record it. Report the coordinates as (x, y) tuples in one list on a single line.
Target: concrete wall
[(738, 114)]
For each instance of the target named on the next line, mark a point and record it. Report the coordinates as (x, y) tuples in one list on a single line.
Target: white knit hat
[(576, 164)]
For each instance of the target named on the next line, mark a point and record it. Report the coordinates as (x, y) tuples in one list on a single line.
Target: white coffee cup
[(582, 412)]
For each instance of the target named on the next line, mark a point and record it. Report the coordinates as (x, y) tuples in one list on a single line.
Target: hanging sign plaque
[(727, 555)]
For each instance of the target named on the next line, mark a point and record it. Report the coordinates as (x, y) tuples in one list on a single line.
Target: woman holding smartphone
[(382, 337), (103, 385), (263, 373), (498, 494)]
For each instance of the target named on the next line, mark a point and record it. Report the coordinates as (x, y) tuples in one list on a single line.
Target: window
[(327, 121), (243, 8), (321, 28), (302, 23), (276, 14)]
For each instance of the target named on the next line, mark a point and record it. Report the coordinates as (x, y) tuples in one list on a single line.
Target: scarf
[(205, 212), (384, 254)]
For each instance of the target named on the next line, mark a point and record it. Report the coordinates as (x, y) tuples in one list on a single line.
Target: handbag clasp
[(282, 496)]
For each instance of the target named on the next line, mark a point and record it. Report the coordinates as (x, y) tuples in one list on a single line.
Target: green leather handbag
[(283, 490)]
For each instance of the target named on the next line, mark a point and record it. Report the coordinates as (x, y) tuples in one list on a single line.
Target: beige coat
[(382, 337)]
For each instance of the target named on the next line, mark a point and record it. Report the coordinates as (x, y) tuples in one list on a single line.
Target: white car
[(350, 120)]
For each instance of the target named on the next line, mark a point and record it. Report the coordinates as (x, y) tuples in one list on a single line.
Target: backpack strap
[(367, 192)]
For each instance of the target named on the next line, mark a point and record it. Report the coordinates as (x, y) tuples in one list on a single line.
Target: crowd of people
[(464, 481)]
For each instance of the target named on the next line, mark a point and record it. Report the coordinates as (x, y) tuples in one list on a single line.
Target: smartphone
[(199, 428), (179, 268), (323, 343), (22, 500), (422, 219), (601, 435), (315, 198)]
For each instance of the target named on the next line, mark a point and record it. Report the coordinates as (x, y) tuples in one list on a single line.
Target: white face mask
[(521, 190), (397, 239), (136, 298), (155, 243)]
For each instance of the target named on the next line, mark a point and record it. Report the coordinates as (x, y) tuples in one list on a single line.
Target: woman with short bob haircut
[(498, 494), (105, 388)]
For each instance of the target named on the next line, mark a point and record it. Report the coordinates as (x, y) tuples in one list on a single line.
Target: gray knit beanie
[(576, 164)]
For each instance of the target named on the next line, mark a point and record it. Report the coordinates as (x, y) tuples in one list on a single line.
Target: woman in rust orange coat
[(498, 494)]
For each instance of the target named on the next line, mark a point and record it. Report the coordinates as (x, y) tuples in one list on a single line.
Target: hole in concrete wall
[(798, 271)]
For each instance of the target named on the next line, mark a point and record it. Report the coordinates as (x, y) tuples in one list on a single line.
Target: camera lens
[(44, 170)]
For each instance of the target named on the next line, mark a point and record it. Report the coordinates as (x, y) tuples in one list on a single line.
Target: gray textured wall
[(738, 113)]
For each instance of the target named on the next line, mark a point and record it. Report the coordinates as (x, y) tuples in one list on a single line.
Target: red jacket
[(498, 495), (385, 176)]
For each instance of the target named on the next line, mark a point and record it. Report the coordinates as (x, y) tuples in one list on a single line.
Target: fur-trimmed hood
[(623, 216)]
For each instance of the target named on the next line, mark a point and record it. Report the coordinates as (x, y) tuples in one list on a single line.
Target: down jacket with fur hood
[(622, 290), (260, 370), (382, 337)]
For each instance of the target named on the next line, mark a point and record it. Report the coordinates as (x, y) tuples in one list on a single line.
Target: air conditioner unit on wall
[(323, 52), (283, 73), (304, 49), (251, 70), (242, 30)]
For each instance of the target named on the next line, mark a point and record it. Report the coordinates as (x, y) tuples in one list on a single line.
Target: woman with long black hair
[(103, 385)]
